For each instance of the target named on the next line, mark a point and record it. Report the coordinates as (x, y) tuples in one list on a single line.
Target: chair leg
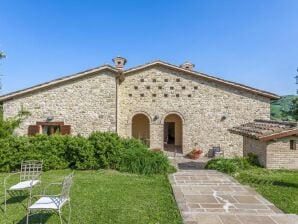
[(69, 215), (5, 198), (60, 216), (40, 217), (27, 218)]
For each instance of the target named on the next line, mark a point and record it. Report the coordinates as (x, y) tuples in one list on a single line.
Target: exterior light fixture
[(50, 118), (155, 117), (223, 118)]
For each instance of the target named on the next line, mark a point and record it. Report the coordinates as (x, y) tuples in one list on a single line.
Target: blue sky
[(251, 42)]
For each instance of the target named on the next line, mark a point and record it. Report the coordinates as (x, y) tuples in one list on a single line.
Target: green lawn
[(108, 197), (279, 186)]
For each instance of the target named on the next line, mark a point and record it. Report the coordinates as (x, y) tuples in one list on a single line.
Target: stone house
[(274, 142), (168, 107)]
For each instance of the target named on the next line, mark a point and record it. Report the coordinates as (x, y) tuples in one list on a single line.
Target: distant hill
[(283, 104)]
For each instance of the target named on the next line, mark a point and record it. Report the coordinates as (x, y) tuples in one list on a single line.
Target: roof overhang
[(283, 134), (266, 130)]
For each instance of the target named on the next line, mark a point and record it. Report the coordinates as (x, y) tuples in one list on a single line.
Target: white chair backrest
[(31, 170), (66, 185)]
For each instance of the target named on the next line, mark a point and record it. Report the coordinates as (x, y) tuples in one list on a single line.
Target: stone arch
[(140, 127), (173, 112), (173, 132), (140, 112)]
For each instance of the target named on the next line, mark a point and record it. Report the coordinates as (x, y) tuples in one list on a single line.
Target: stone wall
[(280, 156), (88, 104), (207, 108), (256, 147)]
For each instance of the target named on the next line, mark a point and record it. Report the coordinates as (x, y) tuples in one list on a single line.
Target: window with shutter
[(65, 130), (33, 130), (49, 128)]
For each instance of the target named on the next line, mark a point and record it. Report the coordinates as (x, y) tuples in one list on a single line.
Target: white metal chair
[(30, 176), (53, 202)]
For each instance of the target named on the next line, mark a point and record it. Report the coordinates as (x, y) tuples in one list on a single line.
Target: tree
[(293, 111), (7, 126)]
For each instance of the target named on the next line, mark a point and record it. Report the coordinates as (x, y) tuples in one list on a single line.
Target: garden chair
[(30, 176), (54, 203)]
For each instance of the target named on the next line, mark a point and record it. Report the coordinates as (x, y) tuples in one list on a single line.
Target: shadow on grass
[(36, 218), (192, 165), (259, 181)]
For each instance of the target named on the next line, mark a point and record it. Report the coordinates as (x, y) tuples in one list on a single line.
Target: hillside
[(283, 104)]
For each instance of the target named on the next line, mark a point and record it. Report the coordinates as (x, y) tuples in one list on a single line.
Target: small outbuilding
[(274, 142)]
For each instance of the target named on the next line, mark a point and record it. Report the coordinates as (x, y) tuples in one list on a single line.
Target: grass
[(278, 186), (107, 197)]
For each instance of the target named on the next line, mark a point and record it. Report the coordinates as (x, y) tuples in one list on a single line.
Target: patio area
[(211, 197)]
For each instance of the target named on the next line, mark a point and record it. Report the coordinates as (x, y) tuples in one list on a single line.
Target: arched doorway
[(140, 128), (173, 133)]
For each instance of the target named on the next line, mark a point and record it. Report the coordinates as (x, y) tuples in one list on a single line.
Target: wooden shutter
[(65, 129), (33, 130)]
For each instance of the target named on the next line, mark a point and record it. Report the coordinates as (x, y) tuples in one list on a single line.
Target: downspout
[(119, 79)]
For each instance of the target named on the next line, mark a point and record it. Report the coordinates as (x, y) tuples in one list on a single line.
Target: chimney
[(187, 65), (119, 62)]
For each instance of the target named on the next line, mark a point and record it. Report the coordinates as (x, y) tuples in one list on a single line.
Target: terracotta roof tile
[(266, 129)]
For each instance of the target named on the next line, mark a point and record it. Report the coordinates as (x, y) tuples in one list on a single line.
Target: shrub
[(12, 151), (137, 158), (232, 165), (253, 159), (108, 149), (79, 153), (51, 149), (100, 150)]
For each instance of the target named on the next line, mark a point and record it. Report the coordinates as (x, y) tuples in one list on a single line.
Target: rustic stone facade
[(206, 108), (273, 154), (108, 101), (88, 104), (280, 156), (256, 147)]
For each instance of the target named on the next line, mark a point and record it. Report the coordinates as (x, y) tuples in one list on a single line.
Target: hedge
[(98, 151), (233, 165)]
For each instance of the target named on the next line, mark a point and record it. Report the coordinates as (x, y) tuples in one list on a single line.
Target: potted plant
[(195, 153)]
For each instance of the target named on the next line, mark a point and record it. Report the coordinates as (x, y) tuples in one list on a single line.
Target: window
[(153, 80), (142, 94), (154, 95), (189, 95), (165, 95), (147, 87), (183, 87), (177, 80), (136, 87), (177, 95), (292, 144), (172, 87), (142, 80), (160, 87), (166, 80), (130, 95), (49, 128), (195, 87)]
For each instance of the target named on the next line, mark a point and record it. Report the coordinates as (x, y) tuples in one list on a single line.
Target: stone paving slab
[(211, 197)]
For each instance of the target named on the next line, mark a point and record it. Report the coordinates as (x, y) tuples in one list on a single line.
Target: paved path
[(211, 197)]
